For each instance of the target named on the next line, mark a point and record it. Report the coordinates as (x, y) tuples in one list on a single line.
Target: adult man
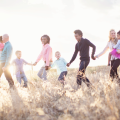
[(83, 47), (5, 59)]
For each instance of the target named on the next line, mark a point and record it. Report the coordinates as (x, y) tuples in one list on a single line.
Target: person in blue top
[(5, 59), (60, 64)]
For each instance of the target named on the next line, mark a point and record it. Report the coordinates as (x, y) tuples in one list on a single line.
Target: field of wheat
[(52, 101)]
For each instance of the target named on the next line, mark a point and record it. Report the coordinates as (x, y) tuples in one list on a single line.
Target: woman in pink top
[(1, 45), (46, 55)]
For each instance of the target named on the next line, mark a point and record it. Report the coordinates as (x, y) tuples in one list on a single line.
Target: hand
[(94, 58), (4, 68), (46, 67), (35, 64), (68, 64)]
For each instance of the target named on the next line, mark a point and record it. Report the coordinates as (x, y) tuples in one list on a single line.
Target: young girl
[(1, 45), (46, 55), (115, 49), (19, 72)]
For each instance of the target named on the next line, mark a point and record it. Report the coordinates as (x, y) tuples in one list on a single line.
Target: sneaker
[(25, 86)]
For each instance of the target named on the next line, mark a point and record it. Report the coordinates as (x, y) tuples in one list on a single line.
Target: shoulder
[(85, 40)]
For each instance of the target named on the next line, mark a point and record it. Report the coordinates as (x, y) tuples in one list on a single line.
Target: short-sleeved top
[(60, 64), (19, 66)]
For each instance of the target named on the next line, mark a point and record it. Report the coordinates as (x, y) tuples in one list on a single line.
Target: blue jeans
[(62, 75), (42, 74), (81, 75), (22, 77)]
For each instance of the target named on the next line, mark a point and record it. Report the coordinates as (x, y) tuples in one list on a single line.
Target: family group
[(82, 46)]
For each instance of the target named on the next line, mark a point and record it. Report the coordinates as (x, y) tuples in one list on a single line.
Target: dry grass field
[(50, 101)]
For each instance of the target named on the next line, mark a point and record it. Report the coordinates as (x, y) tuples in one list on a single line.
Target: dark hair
[(0, 38), (118, 32), (79, 32), (17, 52), (48, 38)]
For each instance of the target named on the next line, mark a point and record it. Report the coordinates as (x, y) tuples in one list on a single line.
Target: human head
[(1, 39), (78, 34), (112, 34), (5, 38), (57, 54), (118, 35), (45, 39), (18, 54)]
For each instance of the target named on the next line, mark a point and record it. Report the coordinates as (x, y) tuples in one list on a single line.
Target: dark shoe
[(109, 64), (25, 86)]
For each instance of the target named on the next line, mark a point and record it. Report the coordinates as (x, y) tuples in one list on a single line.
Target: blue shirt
[(19, 66), (60, 64), (6, 54)]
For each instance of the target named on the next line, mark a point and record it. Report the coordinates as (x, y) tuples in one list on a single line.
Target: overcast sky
[(27, 20)]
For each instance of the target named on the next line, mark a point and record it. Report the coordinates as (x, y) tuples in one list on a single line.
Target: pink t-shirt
[(46, 54), (1, 46)]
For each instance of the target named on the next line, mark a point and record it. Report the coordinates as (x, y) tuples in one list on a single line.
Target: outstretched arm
[(27, 63), (104, 51), (74, 55)]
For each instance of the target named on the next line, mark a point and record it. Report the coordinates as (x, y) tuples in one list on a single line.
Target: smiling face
[(112, 34), (57, 55), (19, 54), (44, 40)]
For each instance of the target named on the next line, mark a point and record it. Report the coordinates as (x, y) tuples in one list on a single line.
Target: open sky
[(27, 20)]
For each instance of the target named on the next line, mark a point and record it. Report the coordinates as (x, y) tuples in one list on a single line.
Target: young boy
[(82, 47), (20, 74), (60, 63)]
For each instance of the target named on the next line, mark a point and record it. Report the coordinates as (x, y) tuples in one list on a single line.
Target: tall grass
[(50, 101)]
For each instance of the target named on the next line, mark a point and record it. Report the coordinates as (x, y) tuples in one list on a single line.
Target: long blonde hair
[(115, 41)]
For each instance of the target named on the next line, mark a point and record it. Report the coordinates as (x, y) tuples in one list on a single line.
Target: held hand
[(4, 68), (35, 64), (68, 64), (46, 67), (94, 58)]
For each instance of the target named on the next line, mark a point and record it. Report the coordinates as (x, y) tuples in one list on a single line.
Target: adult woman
[(115, 62)]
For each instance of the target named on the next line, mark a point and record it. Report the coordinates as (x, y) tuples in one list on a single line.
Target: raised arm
[(74, 55), (118, 43), (104, 51)]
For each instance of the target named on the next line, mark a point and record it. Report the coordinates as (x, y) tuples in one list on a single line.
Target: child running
[(115, 49), (1, 45), (19, 72), (46, 55), (60, 63)]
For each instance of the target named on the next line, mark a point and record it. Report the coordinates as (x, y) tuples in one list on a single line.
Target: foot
[(109, 64), (25, 86)]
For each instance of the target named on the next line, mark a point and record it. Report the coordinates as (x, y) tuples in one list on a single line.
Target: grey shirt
[(19, 66)]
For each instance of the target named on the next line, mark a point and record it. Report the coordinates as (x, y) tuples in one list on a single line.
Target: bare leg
[(109, 58)]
